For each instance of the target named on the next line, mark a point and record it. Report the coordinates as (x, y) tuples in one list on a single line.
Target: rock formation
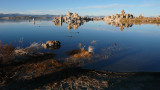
[(73, 20), (58, 21), (51, 44), (117, 17), (140, 16)]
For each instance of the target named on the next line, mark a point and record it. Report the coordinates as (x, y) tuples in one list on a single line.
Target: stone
[(141, 16), (44, 45), (51, 44), (117, 17), (72, 20)]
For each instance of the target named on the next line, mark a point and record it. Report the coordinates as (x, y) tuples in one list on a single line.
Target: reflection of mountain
[(118, 24)]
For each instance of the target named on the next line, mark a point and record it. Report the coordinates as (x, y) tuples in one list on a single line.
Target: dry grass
[(79, 54), (141, 20), (6, 52), (40, 68)]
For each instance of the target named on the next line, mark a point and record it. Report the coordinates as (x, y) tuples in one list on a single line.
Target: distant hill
[(46, 15), (13, 15), (17, 16), (25, 16)]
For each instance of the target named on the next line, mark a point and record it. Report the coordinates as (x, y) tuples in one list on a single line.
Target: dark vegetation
[(6, 52)]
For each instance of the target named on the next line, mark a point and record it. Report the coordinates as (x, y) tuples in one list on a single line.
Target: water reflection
[(118, 24), (70, 25), (73, 20), (75, 25), (57, 23), (33, 21), (56, 69)]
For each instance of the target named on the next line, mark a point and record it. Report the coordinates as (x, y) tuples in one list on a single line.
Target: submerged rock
[(51, 44)]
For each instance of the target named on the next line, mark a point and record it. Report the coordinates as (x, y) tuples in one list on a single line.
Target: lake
[(132, 48)]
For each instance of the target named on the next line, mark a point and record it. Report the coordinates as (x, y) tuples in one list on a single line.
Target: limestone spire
[(123, 12)]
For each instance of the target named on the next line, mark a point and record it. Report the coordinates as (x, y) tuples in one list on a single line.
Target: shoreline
[(78, 78)]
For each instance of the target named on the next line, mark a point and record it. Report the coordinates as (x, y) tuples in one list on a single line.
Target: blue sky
[(83, 7)]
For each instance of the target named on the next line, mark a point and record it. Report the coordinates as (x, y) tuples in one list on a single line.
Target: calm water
[(134, 49)]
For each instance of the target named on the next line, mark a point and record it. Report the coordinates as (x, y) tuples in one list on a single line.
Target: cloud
[(41, 12), (112, 6)]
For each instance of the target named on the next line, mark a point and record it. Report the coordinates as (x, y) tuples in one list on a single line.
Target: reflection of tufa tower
[(33, 21)]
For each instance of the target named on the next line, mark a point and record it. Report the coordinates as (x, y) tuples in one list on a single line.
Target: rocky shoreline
[(77, 78), (35, 70), (38, 72)]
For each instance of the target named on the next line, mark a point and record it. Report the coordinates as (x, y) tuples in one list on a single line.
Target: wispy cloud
[(43, 12), (54, 12), (112, 6)]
